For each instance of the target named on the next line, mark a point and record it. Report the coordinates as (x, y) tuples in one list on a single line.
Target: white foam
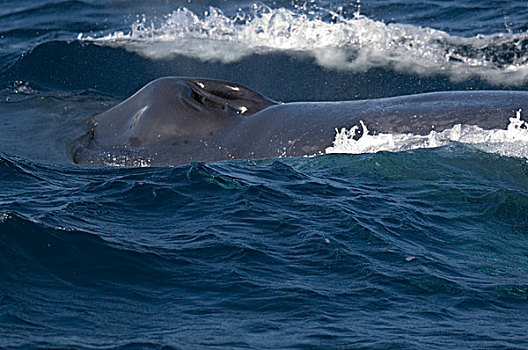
[(355, 44), (4, 217), (512, 141), (111, 159)]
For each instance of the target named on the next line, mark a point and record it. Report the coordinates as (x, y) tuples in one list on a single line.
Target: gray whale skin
[(174, 120)]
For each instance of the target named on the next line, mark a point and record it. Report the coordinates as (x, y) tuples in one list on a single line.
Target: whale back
[(181, 120)]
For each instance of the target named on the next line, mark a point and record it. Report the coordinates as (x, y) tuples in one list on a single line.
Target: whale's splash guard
[(348, 44), (512, 141)]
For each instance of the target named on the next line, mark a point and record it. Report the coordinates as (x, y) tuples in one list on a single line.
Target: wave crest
[(351, 44)]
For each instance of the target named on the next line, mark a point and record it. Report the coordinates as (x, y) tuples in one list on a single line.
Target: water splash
[(116, 160), (351, 44), (512, 141)]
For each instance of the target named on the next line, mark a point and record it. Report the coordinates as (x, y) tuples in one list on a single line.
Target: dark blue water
[(425, 248)]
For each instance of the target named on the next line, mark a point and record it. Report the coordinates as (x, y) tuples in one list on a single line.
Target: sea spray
[(513, 141), (354, 44)]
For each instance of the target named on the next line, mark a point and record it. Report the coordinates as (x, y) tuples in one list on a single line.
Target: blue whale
[(175, 120)]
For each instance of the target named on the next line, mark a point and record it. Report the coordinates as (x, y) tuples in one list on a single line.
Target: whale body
[(175, 120)]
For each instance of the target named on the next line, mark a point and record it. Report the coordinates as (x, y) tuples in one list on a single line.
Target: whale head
[(168, 112)]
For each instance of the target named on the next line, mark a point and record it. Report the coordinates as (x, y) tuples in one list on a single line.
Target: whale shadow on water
[(174, 120)]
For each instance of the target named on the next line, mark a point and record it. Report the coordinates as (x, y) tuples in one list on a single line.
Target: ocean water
[(415, 244)]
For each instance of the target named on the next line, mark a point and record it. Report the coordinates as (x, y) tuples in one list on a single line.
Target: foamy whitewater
[(349, 44), (512, 141)]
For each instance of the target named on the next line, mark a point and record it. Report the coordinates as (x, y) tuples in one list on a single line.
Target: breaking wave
[(354, 44)]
